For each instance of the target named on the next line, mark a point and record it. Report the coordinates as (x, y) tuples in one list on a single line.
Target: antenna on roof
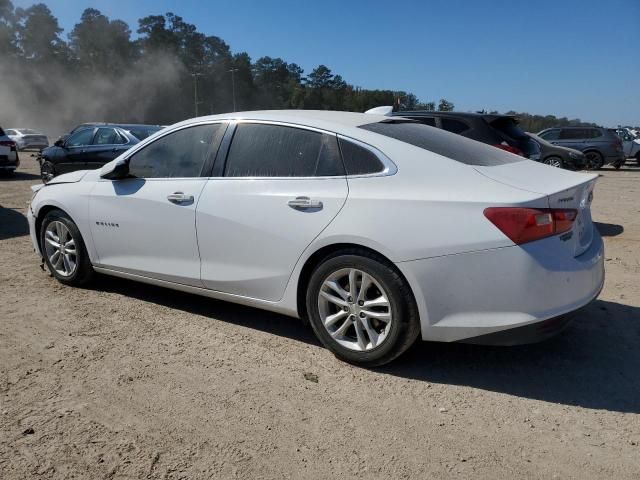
[(386, 111)]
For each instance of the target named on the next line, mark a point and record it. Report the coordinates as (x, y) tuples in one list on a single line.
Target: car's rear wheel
[(594, 160), (553, 162), (361, 308), (47, 171), (63, 249)]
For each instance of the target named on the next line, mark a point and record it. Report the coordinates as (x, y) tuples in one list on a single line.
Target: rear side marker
[(524, 225)]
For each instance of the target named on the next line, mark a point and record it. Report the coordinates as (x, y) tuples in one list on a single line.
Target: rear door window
[(107, 136), (263, 150), (574, 133), (454, 126)]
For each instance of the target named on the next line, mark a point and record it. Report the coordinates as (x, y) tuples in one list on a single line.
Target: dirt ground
[(124, 380)]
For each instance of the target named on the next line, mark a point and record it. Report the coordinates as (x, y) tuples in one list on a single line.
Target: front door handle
[(304, 202), (180, 197)]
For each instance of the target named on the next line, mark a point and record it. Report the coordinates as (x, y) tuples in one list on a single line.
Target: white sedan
[(376, 230)]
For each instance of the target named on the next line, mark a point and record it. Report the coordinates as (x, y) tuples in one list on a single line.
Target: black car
[(90, 146), (558, 156), (501, 131)]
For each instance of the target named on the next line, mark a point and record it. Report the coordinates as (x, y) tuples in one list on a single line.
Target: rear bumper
[(470, 295)]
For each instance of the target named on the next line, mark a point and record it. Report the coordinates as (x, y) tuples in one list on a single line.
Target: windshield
[(143, 132), (450, 145)]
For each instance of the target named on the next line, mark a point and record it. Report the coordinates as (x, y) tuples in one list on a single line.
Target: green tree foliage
[(100, 73), (445, 106)]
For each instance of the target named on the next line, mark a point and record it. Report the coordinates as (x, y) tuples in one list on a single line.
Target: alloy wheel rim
[(553, 162), (60, 248), (355, 309)]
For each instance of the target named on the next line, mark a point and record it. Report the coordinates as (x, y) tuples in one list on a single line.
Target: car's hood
[(71, 177)]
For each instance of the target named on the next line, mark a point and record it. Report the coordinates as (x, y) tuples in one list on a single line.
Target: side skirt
[(247, 301)]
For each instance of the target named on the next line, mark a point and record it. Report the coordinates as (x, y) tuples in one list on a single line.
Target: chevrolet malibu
[(377, 230)]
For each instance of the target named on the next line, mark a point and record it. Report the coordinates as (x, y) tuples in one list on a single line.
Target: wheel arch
[(42, 212), (323, 252)]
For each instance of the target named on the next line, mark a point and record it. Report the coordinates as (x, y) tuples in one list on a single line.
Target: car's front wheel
[(361, 308), (63, 249), (47, 171), (553, 162)]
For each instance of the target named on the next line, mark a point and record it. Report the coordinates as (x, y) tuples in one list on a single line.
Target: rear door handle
[(180, 197), (304, 202)]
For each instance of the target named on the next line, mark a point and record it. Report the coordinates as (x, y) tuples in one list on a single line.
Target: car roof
[(321, 119)]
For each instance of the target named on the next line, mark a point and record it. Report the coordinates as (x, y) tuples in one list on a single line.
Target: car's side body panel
[(250, 238), (137, 229)]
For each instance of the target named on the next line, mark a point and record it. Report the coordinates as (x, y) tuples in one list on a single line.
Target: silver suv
[(599, 145)]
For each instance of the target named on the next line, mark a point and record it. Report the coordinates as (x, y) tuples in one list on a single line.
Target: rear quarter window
[(358, 160), (455, 147)]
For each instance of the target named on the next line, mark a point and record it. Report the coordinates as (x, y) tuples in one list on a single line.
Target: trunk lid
[(562, 188)]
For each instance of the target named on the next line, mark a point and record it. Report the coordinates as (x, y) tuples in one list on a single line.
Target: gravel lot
[(125, 380)]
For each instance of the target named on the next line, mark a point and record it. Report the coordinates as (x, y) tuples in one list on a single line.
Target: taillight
[(8, 143), (524, 225), (509, 148)]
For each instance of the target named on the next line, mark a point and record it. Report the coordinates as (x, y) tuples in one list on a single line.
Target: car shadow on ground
[(609, 229), (592, 364), (12, 223), (18, 176), (248, 317)]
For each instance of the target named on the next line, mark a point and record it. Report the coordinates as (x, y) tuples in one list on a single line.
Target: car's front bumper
[(31, 220), (470, 295)]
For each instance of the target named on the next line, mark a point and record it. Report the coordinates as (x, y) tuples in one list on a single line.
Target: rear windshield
[(450, 145), (143, 132)]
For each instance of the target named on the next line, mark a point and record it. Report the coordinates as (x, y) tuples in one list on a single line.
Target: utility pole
[(233, 86), (195, 91)]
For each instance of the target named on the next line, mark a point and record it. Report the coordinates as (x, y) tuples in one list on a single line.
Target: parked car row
[(566, 147)]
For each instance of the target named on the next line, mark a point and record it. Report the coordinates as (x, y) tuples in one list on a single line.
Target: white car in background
[(27, 138), (375, 229), (9, 160), (630, 143)]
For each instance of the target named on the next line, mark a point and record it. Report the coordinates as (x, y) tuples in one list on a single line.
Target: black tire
[(554, 161), (84, 272), (594, 159), (47, 171), (405, 325), (638, 158)]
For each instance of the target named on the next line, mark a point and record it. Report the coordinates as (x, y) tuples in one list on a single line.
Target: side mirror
[(116, 170), (59, 142)]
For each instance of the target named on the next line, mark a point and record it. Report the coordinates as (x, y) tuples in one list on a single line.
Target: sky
[(573, 58)]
